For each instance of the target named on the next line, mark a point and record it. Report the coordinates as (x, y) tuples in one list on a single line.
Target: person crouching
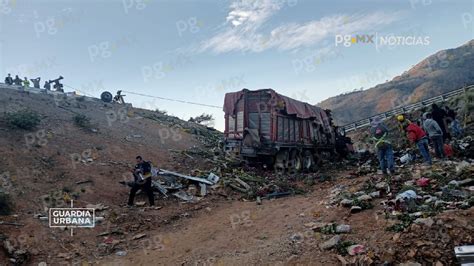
[(142, 176)]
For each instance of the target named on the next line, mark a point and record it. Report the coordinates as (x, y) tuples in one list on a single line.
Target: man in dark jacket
[(142, 176), (47, 85), (439, 115), (9, 80), (17, 81)]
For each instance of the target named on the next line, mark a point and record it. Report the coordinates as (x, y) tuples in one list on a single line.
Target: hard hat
[(400, 118)]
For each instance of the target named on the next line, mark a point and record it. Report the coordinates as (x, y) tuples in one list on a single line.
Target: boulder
[(381, 185), (364, 198), (356, 209), (375, 194), (343, 228), (330, 243), (424, 221), (347, 202)]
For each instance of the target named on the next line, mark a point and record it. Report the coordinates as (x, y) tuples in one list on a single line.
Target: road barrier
[(407, 108)]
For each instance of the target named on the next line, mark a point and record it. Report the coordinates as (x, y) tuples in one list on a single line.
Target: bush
[(201, 118), (341, 248), (24, 119), (5, 204), (161, 112), (82, 121)]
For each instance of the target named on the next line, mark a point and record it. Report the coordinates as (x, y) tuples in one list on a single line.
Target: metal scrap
[(198, 179)]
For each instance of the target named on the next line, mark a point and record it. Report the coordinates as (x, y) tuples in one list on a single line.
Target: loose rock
[(331, 242), (356, 209)]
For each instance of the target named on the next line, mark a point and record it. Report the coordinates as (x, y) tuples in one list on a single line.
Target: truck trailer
[(264, 126)]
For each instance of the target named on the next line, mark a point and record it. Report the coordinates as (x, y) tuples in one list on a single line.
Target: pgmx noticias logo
[(389, 40), (348, 40)]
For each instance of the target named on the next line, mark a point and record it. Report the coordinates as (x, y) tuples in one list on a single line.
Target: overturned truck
[(278, 131)]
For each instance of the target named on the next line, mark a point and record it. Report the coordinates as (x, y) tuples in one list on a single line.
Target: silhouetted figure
[(9, 80), (119, 97), (36, 82), (47, 86), (455, 127), (17, 80), (439, 115), (57, 85), (26, 83)]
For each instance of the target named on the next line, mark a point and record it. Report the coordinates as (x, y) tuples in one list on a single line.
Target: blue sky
[(198, 50)]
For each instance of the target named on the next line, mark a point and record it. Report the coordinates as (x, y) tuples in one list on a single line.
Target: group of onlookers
[(25, 83), (435, 127)]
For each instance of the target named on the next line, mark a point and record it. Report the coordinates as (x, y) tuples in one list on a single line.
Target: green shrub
[(82, 121), (341, 248), (24, 119)]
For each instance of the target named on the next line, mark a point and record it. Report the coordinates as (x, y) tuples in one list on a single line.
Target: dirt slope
[(40, 168), (274, 233)]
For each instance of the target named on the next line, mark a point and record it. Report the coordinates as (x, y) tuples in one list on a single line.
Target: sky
[(196, 51)]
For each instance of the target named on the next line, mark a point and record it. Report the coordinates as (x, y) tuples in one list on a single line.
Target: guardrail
[(407, 108)]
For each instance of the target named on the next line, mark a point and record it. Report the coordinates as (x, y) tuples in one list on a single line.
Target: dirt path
[(244, 233)]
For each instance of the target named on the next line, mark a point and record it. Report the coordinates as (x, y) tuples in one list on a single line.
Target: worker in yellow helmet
[(402, 123)]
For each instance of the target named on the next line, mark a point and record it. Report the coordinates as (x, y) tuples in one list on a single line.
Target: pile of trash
[(258, 185), (413, 202), (464, 148), (416, 191), (238, 182), (189, 188), (433, 240)]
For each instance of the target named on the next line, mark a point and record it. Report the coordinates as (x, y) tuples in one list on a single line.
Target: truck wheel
[(281, 161), (106, 96), (308, 162), (295, 162)]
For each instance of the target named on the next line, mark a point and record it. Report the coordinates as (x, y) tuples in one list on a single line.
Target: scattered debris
[(356, 209), (331, 243), (465, 254), (183, 195), (138, 236), (10, 223), (355, 250)]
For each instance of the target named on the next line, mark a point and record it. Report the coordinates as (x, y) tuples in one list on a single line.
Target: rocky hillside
[(441, 72), (55, 148)]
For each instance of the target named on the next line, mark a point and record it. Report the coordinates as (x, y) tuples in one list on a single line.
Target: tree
[(202, 119)]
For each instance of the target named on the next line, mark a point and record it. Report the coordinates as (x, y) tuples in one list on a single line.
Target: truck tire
[(281, 161), (308, 161), (295, 163), (106, 97)]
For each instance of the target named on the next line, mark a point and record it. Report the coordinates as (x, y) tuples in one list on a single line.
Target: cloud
[(246, 20)]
